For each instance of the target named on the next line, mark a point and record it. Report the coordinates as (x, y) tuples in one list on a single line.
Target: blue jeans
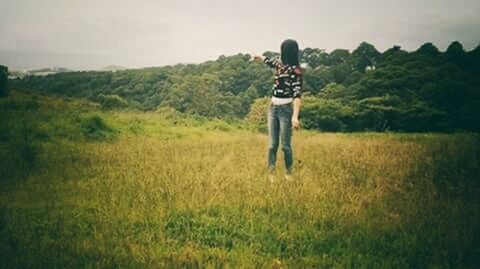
[(280, 128)]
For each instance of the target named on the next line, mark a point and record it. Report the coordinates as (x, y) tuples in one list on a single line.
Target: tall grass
[(159, 196)]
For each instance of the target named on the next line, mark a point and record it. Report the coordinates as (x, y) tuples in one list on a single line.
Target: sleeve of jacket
[(272, 62), (297, 82)]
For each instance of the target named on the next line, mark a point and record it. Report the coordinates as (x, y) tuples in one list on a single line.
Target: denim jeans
[(280, 128)]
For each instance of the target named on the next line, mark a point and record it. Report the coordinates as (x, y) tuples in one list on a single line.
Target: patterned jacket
[(288, 79)]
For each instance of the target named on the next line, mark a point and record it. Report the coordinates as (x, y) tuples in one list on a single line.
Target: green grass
[(162, 190)]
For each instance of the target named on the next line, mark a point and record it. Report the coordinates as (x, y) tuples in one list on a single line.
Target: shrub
[(168, 112), (325, 115), (258, 111), (95, 128), (112, 101)]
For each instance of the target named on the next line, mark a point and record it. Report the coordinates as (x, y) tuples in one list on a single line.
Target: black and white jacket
[(288, 79)]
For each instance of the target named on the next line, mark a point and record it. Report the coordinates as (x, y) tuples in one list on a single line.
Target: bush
[(258, 114), (111, 101), (258, 111), (325, 115), (95, 128)]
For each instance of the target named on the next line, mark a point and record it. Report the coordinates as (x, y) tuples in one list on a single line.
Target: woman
[(285, 104)]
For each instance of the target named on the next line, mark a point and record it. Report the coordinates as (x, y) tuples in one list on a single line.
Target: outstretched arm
[(274, 63)]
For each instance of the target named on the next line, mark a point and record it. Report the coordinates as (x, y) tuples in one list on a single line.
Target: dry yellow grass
[(202, 199), (168, 191)]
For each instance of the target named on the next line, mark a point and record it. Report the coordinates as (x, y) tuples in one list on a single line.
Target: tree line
[(412, 91)]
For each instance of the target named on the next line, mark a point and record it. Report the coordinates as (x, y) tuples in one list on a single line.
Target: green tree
[(365, 55), (455, 53), (340, 72), (313, 80), (315, 57), (429, 49), (3, 80), (339, 56), (352, 78), (392, 56)]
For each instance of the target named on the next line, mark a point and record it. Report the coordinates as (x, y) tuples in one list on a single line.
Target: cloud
[(79, 33)]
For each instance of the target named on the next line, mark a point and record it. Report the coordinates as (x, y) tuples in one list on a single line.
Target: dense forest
[(394, 90)]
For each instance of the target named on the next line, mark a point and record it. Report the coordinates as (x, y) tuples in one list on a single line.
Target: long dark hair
[(289, 52)]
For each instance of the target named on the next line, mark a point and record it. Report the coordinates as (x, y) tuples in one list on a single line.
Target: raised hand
[(257, 57)]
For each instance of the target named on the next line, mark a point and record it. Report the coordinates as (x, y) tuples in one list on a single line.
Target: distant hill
[(113, 68), (38, 72)]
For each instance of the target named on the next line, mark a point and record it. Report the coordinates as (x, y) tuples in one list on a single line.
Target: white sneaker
[(271, 178), (288, 177)]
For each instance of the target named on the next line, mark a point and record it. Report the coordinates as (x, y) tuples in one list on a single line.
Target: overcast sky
[(83, 34)]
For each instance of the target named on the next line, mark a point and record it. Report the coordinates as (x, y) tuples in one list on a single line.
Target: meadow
[(88, 188)]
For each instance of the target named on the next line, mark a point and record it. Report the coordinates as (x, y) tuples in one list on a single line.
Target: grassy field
[(84, 188)]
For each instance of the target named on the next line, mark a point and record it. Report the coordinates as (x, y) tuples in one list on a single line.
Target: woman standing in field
[(285, 103)]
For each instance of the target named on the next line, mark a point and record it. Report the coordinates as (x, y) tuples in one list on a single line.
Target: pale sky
[(82, 34)]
